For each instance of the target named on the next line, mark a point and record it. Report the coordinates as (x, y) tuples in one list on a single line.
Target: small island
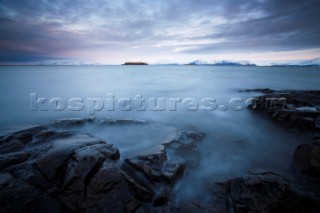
[(135, 63)]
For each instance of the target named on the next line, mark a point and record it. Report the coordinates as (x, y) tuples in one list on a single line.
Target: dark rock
[(184, 152), (54, 163), (17, 195), (5, 179), (266, 192), (185, 148), (66, 171), (34, 129), (23, 134), (82, 166), (295, 109), (155, 167), (163, 197), (265, 91), (44, 203), (12, 159), (151, 165), (123, 122), (24, 138), (169, 165), (307, 158), (187, 207), (11, 146), (305, 123), (135, 63), (109, 190), (69, 122)]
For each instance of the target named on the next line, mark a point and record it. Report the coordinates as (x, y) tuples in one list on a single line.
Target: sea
[(171, 99)]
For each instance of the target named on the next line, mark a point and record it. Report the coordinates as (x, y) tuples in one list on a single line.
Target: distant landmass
[(135, 63), (221, 63), (307, 63)]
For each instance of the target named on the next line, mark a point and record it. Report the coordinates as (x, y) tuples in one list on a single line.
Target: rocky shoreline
[(52, 169)]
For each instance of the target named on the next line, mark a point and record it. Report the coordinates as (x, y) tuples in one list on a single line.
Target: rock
[(54, 163), (11, 146), (305, 123), (187, 207), (151, 165), (53, 134), (163, 197), (123, 122), (169, 165), (185, 148), (135, 63), (12, 159), (82, 166), (70, 122), (16, 196), (295, 109), (23, 134), (24, 138), (44, 203), (67, 171), (155, 167), (267, 192), (307, 158), (5, 179), (110, 191), (265, 91)]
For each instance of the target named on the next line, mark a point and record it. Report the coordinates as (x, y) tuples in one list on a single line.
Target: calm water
[(237, 141)]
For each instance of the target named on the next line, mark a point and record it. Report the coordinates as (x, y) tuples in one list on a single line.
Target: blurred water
[(236, 141)]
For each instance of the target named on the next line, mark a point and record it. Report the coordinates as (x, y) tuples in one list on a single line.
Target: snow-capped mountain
[(312, 62), (307, 63), (222, 63)]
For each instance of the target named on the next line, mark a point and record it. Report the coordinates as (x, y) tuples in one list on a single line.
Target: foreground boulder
[(296, 109), (265, 192), (169, 165), (64, 171), (307, 158)]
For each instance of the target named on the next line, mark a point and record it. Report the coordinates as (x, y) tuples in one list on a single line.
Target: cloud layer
[(108, 31)]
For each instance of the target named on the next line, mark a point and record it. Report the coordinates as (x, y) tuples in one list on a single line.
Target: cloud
[(285, 25), (77, 28)]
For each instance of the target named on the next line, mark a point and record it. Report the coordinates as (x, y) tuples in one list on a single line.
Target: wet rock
[(184, 152), (44, 203), (163, 198), (110, 191), (24, 138), (13, 159), (295, 109), (123, 122), (53, 134), (17, 195), (5, 179), (70, 122), (307, 158), (54, 163), (23, 134), (66, 171), (169, 165), (185, 148), (82, 166), (11, 146), (187, 207), (265, 91), (267, 192), (151, 165)]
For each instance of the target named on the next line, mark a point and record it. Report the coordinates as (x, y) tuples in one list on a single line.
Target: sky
[(158, 31)]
